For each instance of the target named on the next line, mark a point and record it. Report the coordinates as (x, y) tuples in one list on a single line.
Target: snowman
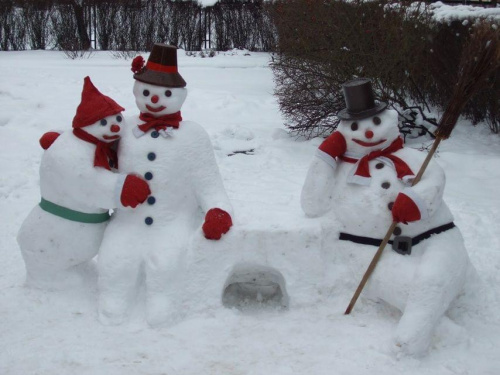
[(177, 159), (63, 233), (363, 174)]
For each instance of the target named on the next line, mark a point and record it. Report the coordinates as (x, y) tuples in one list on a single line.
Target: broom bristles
[(480, 58)]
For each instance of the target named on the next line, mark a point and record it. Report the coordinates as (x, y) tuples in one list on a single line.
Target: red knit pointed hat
[(94, 106)]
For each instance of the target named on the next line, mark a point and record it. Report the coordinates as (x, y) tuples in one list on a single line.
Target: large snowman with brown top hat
[(176, 158), (363, 174), (78, 186)]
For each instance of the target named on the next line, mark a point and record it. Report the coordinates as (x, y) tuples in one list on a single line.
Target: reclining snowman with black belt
[(363, 174)]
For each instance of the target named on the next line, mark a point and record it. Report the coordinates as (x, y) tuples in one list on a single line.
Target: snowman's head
[(107, 129), (158, 100), (371, 133)]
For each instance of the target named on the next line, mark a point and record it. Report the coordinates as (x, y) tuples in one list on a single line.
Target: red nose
[(369, 134), (155, 99), (114, 128)]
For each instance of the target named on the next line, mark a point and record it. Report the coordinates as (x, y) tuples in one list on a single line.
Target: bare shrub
[(12, 27), (411, 59), (36, 18)]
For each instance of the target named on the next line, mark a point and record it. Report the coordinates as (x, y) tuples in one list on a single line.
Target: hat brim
[(346, 115), (160, 79)]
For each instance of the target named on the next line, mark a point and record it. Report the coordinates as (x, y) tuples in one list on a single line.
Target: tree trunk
[(81, 24)]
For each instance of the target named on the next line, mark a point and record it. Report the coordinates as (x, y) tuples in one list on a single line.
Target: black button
[(151, 156), (379, 165), (389, 206), (386, 185), (155, 134), (148, 176), (148, 220), (151, 200), (397, 231)]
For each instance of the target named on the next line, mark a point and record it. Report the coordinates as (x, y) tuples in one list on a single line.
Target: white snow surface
[(44, 332), (447, 13)]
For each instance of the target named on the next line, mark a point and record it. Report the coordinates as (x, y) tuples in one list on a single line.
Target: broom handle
[(381, 248)]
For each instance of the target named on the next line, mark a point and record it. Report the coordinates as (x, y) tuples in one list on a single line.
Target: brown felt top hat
[(360, 101), (161, 68)]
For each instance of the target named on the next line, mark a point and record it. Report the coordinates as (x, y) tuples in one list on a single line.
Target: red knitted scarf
[(159, 123), (104, 154), (363, 170)]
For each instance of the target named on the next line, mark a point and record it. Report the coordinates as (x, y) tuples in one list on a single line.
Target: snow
[(447, 13), (207, 3), (231, 97)]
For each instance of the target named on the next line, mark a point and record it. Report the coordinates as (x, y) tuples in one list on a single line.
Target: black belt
[(400, 244)]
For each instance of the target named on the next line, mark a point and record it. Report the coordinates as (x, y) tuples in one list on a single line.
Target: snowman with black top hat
[(363, 174), (177, 159)]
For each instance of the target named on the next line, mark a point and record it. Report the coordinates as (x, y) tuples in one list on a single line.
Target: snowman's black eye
[(119, 118), (376, 120), (354, 126), (145, 93), (104, 122), (168, 93)]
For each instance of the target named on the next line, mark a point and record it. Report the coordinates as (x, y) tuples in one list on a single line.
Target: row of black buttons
[(149, 176)]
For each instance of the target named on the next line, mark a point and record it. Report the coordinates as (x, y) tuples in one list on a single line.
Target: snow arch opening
[(253, 286)]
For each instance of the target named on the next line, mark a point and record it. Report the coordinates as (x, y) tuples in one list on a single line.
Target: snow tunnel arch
[(253, 285)]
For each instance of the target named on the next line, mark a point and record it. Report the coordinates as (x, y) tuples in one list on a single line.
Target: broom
[(480, 58)]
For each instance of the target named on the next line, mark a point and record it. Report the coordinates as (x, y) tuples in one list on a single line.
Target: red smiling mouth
[(110, 137), (152, 109), (368, 144)]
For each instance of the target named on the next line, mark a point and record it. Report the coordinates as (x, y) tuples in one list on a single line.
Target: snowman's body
[(422, 285), (51, 245), (184, 179)]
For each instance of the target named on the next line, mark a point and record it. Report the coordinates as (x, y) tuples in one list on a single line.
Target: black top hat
[(161, 68), (359, 100)]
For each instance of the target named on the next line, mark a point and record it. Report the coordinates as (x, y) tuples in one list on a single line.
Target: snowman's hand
[(335, 145), (134, 192), (406, 207), (217, 223), (48, 138)]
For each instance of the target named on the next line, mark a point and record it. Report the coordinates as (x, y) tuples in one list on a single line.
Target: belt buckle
[(402, 245)]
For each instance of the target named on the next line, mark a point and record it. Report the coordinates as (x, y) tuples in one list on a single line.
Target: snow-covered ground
[(231, 96)]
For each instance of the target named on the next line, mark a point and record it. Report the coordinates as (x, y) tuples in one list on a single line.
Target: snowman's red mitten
[(217, 222), (48, 138), (405, 209), (335, 145), (134, 192)]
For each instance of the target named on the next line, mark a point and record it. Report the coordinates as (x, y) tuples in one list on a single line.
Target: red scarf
[(363, 170), (159, 123), (104, 154)]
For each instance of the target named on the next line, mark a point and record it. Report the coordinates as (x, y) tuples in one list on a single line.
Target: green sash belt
[(73, 215)]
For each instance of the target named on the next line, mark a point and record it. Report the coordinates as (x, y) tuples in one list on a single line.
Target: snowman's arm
[(316, 197), (427, 194), (207, 181), (93, 186)]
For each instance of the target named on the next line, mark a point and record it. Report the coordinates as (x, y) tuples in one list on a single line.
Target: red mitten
[(134, 192), (405, 209), (48, 138), (217, 222), (335, 145)]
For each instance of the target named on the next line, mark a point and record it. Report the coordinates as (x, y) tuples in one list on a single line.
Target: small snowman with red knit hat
[(176, 157), (363, 174), (63, 233)]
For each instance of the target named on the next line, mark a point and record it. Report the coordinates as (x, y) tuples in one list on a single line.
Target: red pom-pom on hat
[(94, 106), (138, 64)]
